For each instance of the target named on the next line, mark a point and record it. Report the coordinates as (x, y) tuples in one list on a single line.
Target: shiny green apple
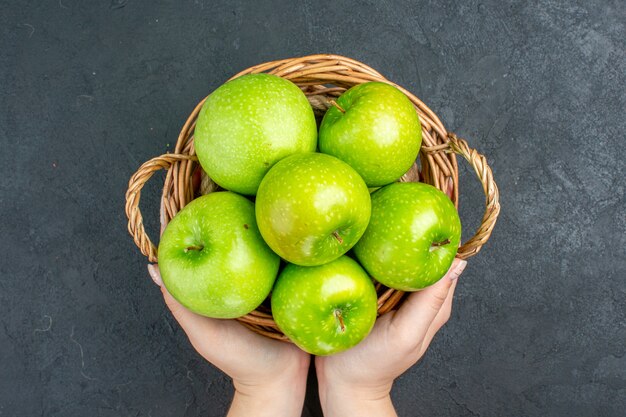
[(325, 309), (375, 129), (213, 259), (412, 238), (312, 208), (247, 125)]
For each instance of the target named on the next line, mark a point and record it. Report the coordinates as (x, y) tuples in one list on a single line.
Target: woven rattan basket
[(322, 78)]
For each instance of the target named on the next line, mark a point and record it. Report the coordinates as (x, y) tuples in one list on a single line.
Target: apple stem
[(436, 245), (339, 317), (334, 103), (336, 236), (198, 248)]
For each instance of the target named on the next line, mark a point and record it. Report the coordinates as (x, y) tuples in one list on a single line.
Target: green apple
[(325, 309), (247, 125), (312, 208), (213, 259), (375, 129), (412, 237)]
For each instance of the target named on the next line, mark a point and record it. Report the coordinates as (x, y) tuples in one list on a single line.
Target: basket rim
[(312, 74)]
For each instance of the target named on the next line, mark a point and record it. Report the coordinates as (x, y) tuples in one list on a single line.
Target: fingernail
[(155, 274), (456, 272)]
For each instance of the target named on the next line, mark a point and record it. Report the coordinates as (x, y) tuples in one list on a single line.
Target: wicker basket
[(322, 78)]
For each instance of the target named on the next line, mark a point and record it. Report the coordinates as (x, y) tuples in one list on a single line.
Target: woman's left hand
[(269, 376)]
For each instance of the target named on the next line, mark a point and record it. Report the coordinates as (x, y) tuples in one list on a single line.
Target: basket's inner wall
[(313, 74)]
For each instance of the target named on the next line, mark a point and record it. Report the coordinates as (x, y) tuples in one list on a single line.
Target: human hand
[(358, 381), (269, 376)]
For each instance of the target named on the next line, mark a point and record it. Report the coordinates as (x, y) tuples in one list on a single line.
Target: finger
[(195, 325), (418, 312), (198, 328), (442, 318), (155, 274), (219, 341)]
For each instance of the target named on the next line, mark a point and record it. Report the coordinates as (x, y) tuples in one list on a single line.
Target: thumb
[(419, 310), (195, 325)]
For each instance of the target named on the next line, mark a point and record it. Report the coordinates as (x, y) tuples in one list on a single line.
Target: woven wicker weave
[(322, 78)]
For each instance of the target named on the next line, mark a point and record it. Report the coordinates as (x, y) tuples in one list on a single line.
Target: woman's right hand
[(358, 381)]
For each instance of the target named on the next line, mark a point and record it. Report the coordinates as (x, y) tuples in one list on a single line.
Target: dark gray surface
[(92, 89)]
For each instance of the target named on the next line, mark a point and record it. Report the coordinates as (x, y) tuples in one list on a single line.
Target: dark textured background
[(90, 89)]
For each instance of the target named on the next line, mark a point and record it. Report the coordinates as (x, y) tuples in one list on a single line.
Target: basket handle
[(492, 195), (133, 195), (454, 144)]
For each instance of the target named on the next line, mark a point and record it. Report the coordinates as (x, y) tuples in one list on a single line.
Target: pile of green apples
[(307, 219)]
